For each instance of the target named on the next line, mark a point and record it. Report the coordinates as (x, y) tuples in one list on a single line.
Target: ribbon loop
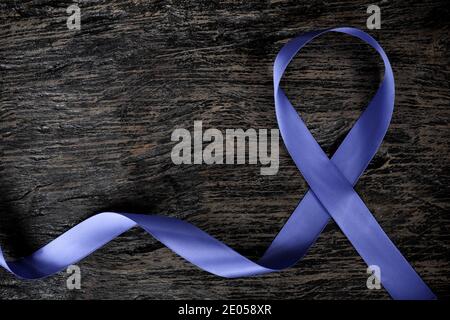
[(332, 188)]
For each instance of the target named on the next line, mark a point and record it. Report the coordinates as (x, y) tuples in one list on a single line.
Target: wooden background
[(86, 119)]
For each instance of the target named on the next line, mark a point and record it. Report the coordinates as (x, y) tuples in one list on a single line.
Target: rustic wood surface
[(86, 119)]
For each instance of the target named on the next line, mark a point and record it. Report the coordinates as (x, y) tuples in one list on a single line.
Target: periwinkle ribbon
[(331, 196)]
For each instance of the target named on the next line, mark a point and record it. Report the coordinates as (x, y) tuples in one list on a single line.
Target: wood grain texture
[(86, 119)]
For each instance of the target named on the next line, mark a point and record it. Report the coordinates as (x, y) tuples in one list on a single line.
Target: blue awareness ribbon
[(331, 195)]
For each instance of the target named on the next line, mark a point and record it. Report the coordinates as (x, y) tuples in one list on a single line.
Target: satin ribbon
[(331, 195)]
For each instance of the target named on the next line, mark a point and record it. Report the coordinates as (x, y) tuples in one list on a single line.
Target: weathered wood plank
[(86, 119)]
